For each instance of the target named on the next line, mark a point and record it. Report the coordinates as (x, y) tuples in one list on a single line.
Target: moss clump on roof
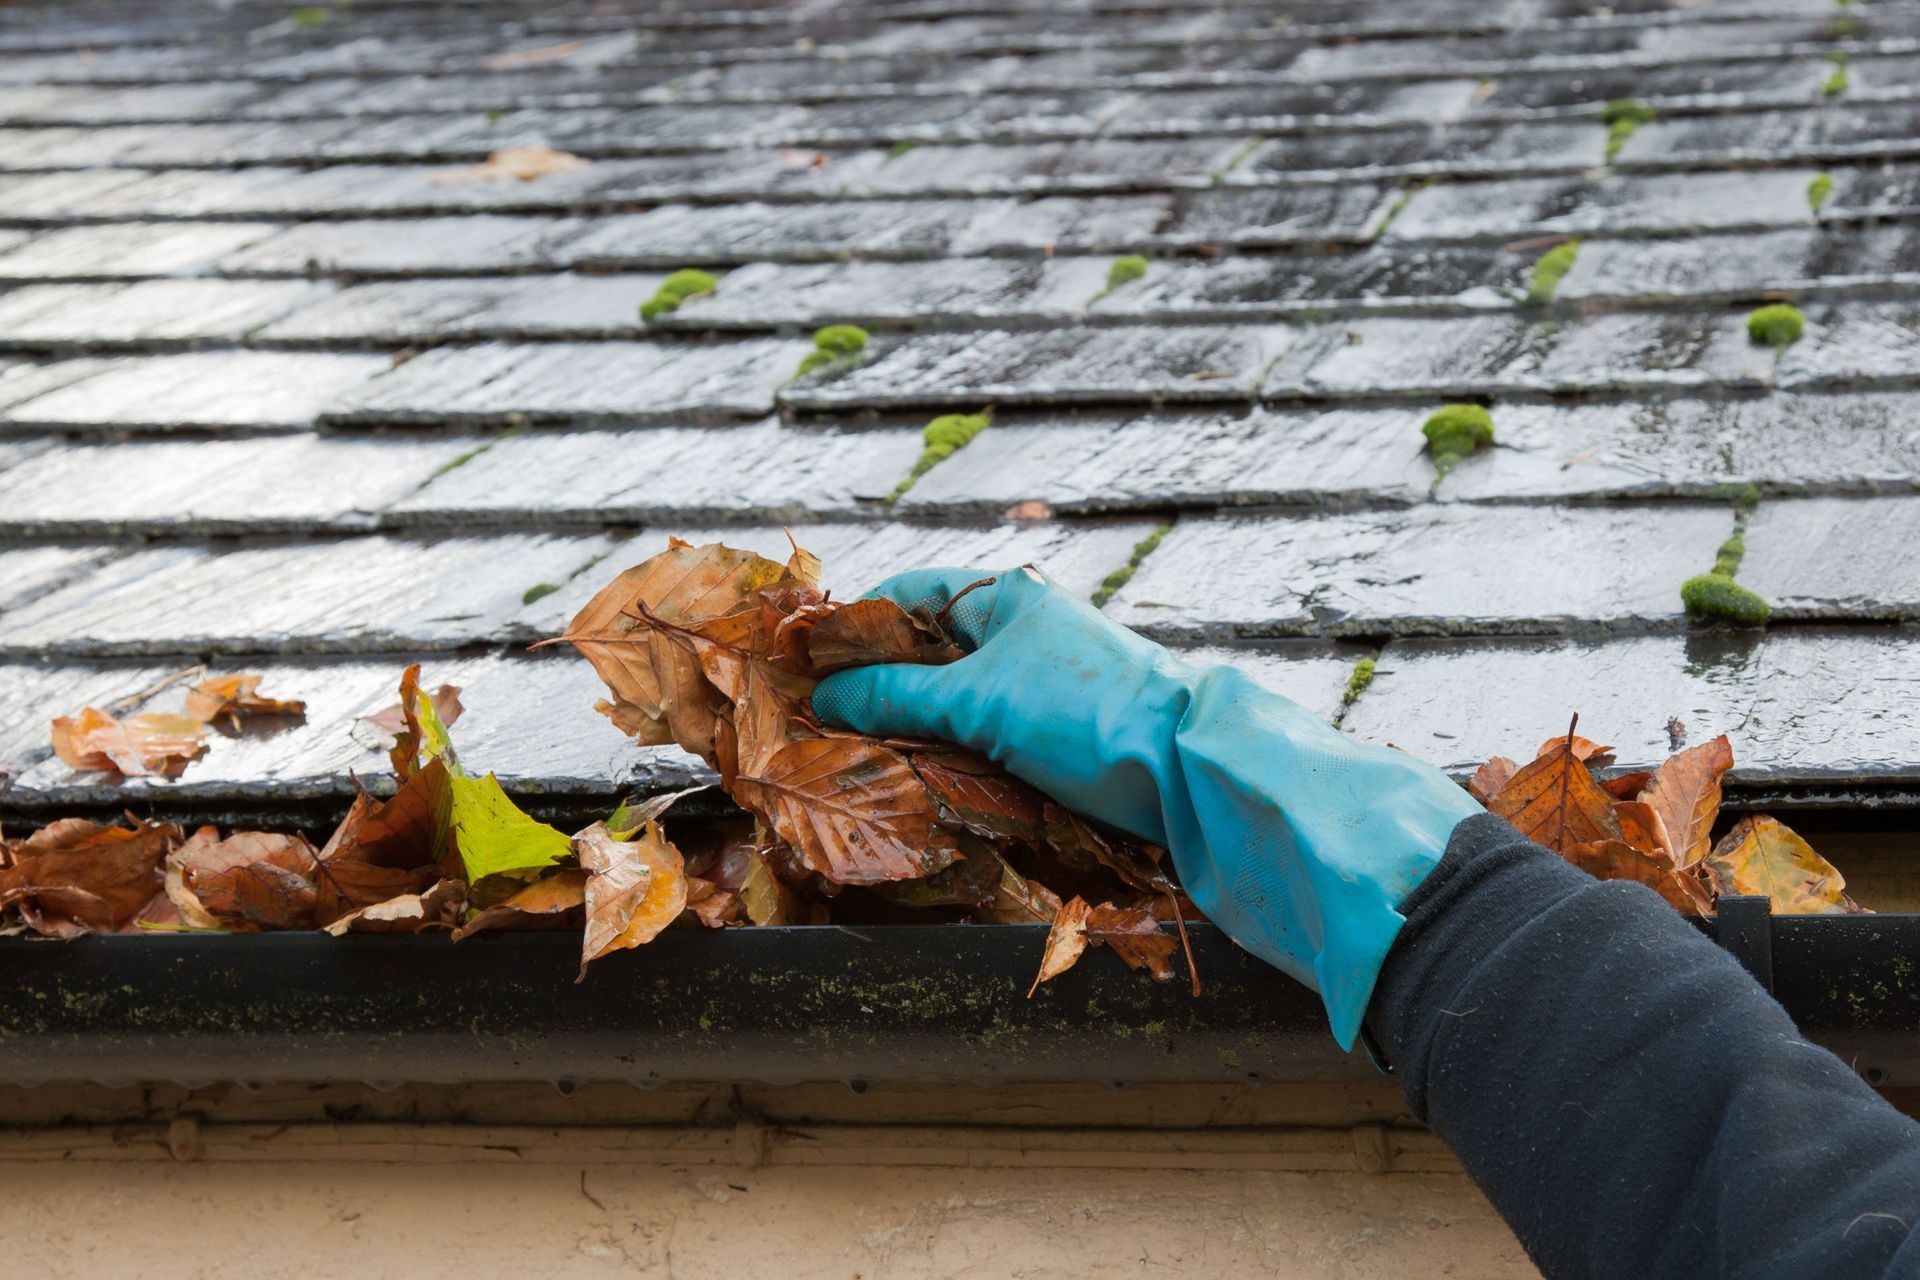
[(1818, 190), (1548, 269), (1837, 82), (1716, 596), (538, 591), (688, 282), (945, 436), (901, 148), (1124, 270), (833, 345), (1623, 117), (1778, 325), (1124, 574), (1453, 432), (1357, 681), (309, 17)]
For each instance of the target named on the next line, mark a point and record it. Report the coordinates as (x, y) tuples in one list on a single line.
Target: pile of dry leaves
[(1656, 827), (718, 651)]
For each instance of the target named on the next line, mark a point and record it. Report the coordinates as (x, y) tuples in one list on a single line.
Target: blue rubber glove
[(1295, 839)]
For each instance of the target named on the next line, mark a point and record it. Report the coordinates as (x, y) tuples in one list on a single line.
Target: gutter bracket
[(1743, 925)]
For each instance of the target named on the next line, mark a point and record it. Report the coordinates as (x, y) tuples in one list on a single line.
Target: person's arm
[(1632, 1102)]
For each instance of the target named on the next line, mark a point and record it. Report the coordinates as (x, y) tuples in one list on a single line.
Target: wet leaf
[(1135, 935), (139, 746), (233, 698), (1079, 845), (878, 630), (855, 811), (1554, 801), (1761, 855), (1627, 786), (514, 164), (1642, 827), (73, 876), (385, 849), (1618, 860), (397, 727), (979, 796), (1685, 790), (492, 836), (1491, 778), (547, 903), (1066, 942), (1585, 750), (439, 906), (1018, 900), (249, 880), (635, 888)]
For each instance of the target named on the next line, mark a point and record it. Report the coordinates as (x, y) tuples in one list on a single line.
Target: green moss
[(1548, 269), (1453, 432), (1837, 82), (1357, 682), (1843, 28), (1623, 118), (1235, 160), (945, 436), (1125, 270), (495, 117), (1819, 190), (813, 361), (1124, 574), (841, 339), (1717, 597), (1778, 325), (309, 17), (901, 148), (688, 282), (539, 591)]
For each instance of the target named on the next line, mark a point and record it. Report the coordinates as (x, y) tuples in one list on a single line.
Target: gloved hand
[(1295, 839)]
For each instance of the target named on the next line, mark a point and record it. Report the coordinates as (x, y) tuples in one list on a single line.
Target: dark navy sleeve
[(1631, 1101)]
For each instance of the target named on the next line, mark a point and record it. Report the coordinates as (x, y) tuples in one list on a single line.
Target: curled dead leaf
[(634, 889), (232, 698), (1685, 790), (1762, 855), (138, 746)]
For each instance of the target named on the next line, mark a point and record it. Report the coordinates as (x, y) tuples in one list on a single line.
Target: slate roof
[(275, 393)]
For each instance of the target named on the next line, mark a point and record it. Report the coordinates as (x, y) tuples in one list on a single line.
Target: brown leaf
[(1135, 935), (138, 746), (399, 733), (440, 905), (1764, 856), (1686, 791), (1627, 786), (855, 811), (978, 795), (547, 903), (1585, 750), (1066, 942), (1555, 802), (385, 849), (514, 164), (73, 876), (1618, 860), (878, 630), (531, 57), (1018, 900), (250, 880), (231, 698), (764, 898), (1491, 778), (1079, 845), (1642, 827), (635, 888)]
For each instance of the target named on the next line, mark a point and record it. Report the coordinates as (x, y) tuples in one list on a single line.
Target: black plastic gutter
[(939, 1002)]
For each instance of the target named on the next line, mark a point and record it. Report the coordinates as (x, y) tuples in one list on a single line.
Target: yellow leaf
[(1762, 855)]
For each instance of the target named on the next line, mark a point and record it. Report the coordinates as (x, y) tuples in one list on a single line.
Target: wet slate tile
[(149, 313), (1835, 558), (1465, 149), (127, 249), (1424, 570), (357, 595), (891, 293), (1743, 267), (1295, 107), (256, 389), (856, 555), (256, 484), (1726, 85), (91, 104), (1800, 705), (1279, 216), (1305, 284), (530, 722), (1189, 460), (431, 311), (764, 470), (1617, 204), (1877, 191), (29, 571), (1495, 355), (1783, 443), (1311, 673), (477, 242), (1835, 131), (579, 382), (1057, 366), (1854, 343)]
